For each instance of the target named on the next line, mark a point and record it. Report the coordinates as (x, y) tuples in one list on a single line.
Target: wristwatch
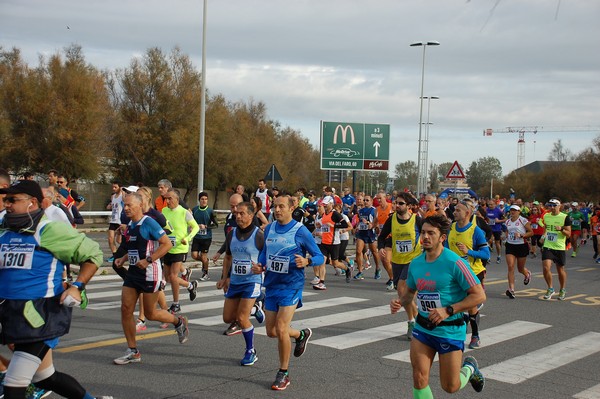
[(80, 286), (450, 310), (149, 259)]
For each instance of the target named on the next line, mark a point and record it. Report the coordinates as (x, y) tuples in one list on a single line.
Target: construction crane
[(535, 129)]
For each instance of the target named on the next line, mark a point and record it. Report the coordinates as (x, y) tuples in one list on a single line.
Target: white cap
[(575, 204), (131, 189), (516, 207), (327, 200)]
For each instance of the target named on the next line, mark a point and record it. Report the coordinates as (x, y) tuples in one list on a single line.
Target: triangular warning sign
[(273, 174), (455, 172)]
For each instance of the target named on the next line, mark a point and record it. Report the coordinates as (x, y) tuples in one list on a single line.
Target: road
[(530, 348)]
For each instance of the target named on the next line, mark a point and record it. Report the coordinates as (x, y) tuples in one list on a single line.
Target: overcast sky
[(501, 63)]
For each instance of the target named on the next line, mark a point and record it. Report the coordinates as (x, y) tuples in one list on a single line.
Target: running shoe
[(359, 276), (389, 285), (349, 273), (561, 295), (140, 325), (315, 281), (510, 294), (205, 276), (175, 308), (549, 293), (367, 264), (409, 331), (527, 278), (282, 380), (259, 315), (182, 330), (164, 325), (595, 256), (249, 358), (302, 341), (498, 260), (111, 259), (598, 260), (34, 392), (342, 272), (574, 255), (474, 344), (377, 274), (477, 379), (233, 329), (187, 275), (129, 357), (320, 287), (193, 290)]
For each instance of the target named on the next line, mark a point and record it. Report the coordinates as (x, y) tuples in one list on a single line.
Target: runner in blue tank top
[(283, 259), (446, 287)]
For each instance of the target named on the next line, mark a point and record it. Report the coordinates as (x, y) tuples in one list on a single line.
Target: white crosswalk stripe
[(104, 293), (532, 364)]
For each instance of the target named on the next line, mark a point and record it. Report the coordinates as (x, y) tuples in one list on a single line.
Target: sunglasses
[(13, 200), (60, 181), (550, 205), (400, 203)]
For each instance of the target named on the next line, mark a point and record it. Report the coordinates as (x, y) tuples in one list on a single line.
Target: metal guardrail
[(108, 213)]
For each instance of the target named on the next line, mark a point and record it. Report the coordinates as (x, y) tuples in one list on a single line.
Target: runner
[(184, 228), (207, 221), (558, 230), (495, 219), (447, 287), (467, 240), (577, 220), (518, 230), (36, 307), (115, 207), (538, 231), (241, 286), (405, 229), (283, 259), (365, 235), (146, 243)]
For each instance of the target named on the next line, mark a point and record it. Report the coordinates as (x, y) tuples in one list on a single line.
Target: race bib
[(325, 228), (534, 226), (511, 236), (203, 232), (241, 267), (551, 236), (173, 240), (278, 264), (576, 223), (492, 222), (363, 226), (114, 214), (404, 246), (428, 301), (134, 256), (16, 256)]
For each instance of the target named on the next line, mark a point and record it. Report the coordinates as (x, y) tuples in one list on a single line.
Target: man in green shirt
[(577, 219), (558, 230), (184, 230)]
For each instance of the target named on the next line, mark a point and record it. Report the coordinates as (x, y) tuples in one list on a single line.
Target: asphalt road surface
[(530, 348)]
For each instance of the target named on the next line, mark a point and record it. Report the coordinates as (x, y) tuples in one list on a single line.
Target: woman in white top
[(518, 230)]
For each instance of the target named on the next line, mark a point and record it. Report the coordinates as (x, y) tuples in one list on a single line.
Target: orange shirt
[(383, 213), (160, 203)]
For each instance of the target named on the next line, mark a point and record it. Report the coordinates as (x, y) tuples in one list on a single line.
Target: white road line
[(362, 337), (490, 336), (532, 364), (591, 393), (326, 303), (337, 318)]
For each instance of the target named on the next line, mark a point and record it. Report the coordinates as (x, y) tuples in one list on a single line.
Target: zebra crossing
[(318, 313)]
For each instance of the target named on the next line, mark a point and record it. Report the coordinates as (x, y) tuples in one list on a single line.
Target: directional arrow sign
[(376, 145)]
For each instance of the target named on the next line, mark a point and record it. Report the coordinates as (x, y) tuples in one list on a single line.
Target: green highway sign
[(355, 146)]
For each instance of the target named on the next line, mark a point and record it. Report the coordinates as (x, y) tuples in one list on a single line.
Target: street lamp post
[(421, 168), (202, 105), (426, 141)]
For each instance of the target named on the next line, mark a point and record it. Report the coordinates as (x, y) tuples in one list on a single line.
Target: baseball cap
[(516, 207), (575, 204), (536, 202), (28, 187), (501, 203), (553, 202), (327, 200), (131, 189), (275, 188)]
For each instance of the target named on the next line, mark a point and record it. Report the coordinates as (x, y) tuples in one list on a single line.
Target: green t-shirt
[(555, 239), (576, 219)]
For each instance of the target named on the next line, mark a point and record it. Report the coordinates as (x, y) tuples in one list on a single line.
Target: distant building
[(540, 166)]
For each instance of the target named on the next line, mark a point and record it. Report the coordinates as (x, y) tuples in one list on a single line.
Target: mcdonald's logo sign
[(344, 131)]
